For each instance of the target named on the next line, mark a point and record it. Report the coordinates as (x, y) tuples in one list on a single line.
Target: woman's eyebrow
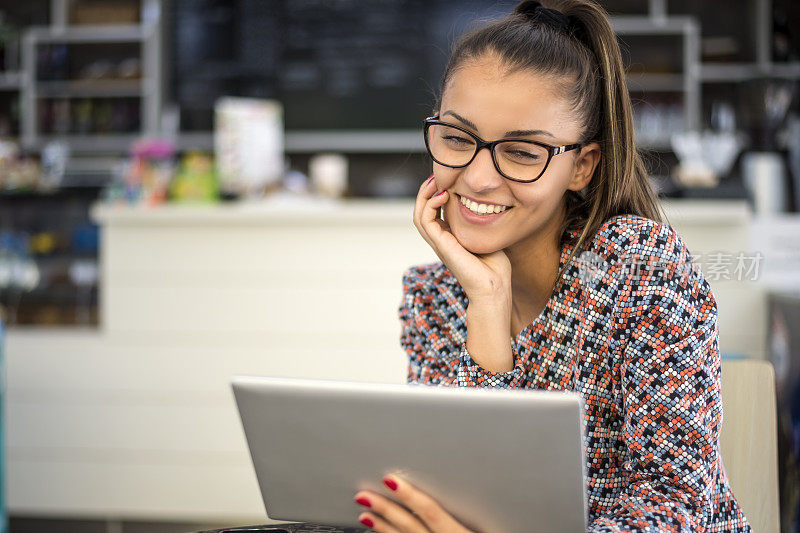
[(525, 133), (462, 119), (513, 133)]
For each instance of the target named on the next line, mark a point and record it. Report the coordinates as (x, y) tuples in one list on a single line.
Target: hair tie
[(536, 12)]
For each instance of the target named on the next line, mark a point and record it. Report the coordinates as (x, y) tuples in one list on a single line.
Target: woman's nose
[(481, 174)]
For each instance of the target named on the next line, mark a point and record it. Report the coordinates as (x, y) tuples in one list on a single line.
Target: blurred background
[(191, 189)]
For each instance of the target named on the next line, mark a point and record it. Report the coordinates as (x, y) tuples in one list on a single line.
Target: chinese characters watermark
[(714, 266)]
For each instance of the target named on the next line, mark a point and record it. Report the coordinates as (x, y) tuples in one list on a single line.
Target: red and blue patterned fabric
[(632, 327)]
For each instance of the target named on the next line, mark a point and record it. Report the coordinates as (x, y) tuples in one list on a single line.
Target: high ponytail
[(585, 58)]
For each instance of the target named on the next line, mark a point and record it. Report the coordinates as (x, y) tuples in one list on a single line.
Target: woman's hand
[(485, 276), (416, 512)]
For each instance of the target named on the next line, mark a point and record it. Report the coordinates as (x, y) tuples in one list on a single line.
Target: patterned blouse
[(632, 327)]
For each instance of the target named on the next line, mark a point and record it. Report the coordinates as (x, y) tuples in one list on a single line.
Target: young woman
[(557, 272)]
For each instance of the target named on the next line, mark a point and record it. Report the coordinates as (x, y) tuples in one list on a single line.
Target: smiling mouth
[(482, 209)]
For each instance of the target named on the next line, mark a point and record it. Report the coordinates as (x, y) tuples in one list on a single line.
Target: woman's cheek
[(444, 177)]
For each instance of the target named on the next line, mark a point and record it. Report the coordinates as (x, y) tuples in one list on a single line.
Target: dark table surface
[(288, 528)]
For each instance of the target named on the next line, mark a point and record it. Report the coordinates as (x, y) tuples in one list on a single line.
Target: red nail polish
[(367, 522), (429, 179), (390, 483), (439, 193), (363, 501)]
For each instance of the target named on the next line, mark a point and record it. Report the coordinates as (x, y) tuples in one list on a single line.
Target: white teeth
[(482, 209)]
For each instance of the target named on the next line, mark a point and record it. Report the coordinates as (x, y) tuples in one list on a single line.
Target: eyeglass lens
[(517, 160)]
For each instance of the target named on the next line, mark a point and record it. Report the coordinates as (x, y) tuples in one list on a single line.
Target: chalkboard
[(334, 64)]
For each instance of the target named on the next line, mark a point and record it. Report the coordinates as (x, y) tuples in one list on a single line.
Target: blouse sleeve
[(666, 335), (425, 367), (471, 374), (432, 358)]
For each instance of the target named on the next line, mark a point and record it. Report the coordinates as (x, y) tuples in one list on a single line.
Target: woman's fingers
[(447, 247), (472, 272), (387, 515), (426, 191), (376, 523), (426, 509), (431, 222), (436, 233), (426, 214)]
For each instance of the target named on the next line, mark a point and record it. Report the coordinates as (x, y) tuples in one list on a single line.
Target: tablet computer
[(499, 460)]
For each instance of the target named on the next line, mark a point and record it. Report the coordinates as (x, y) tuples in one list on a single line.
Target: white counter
[(180, 269)]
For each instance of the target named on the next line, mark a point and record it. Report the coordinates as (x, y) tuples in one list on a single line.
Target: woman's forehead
[(494, 98)]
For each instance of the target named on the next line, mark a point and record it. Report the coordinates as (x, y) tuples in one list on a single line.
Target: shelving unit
[(59, 299), (144, 90), (686, 83)]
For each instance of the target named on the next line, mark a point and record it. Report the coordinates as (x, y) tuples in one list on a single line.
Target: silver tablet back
[(504, 461)]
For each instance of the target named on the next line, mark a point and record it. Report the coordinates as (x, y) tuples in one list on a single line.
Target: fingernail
[(363, 501), (389, 482), (439, 193), (367, 522), (429, 179)]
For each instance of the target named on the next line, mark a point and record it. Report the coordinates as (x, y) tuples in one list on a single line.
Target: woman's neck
[(534, 271)]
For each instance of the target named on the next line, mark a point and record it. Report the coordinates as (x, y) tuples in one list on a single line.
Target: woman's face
[(484, 99)]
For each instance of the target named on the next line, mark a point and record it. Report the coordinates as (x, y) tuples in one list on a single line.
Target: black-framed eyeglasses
[(521, 160)]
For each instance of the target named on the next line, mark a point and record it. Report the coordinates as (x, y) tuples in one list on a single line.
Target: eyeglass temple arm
[(562, 149)]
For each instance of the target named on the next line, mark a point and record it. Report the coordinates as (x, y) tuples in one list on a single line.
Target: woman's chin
[(477, 246)]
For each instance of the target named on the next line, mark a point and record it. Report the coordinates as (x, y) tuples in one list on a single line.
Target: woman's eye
[(523, 155), (456, 140)]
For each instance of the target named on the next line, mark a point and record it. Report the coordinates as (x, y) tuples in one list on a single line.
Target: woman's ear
[(584, 166)]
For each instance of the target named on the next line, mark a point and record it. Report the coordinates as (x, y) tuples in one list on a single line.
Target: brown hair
[(587, 63)]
